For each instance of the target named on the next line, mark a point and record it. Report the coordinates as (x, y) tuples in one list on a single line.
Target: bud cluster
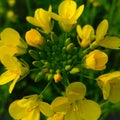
[(56, 58)]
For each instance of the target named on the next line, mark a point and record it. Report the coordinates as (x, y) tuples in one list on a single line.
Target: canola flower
[(42, 20), (96, 60), (59, 62), (68, 14), (14, 71), (85, 35), (29, 108), (11, 39), (110, 86), (74, 105)]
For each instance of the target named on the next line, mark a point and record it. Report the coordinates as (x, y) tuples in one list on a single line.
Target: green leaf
[(110, 42), (76, 91)]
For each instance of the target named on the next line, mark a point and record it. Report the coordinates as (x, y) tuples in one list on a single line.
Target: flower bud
[(57, 77), (96, 60), (74, 70), (34, 38)]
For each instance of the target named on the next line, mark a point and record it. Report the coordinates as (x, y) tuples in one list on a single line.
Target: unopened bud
[(34, 38), (70, 47), (57, 77), (74, 70)]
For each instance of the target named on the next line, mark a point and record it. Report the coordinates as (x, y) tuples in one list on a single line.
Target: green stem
[(28, 7), (46, 87)]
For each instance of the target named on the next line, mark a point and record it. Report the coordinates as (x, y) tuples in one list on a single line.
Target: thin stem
[(28, 7), (46, 87)]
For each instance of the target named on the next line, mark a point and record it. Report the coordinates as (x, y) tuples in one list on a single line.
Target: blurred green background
[(13, 14)]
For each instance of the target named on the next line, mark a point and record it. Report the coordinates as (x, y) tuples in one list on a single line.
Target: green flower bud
[(75, 70)]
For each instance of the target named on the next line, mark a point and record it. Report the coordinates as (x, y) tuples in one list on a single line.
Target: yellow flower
[(14, 70), (85, 35), (11, 15), (96, 60), (29, 108), (34, 38), (110, 86), (75, 106), (42, 20), (68, 14), (12, 40)]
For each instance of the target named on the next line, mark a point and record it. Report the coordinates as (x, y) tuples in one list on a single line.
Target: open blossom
[(96, 60), (29, 108), (110, 86), (14, 70), (11, 39), (34, 38), (42, 20), (74, 105), (85, 35), (68, 14)]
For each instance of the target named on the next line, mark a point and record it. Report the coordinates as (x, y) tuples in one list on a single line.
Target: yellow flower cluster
[(12, 45), (56, 59)]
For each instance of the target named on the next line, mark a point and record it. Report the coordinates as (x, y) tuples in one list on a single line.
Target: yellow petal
[(110, 42), (78, 12), (33, 21), (76, 91), (73, 115), (10, 36), (45, 109), (13, 83), (32, 115), (115, 91), (89, 110), (67, 9), (11, 63), (105, 87), (7, 77), (60, 104), (101, 30), (17, 112), (79, 31)]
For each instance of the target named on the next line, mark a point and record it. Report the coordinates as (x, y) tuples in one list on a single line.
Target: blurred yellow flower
[(12, 40), (96, 60), (110, 86), (68, 14), (11, 2), (11, 15), (42, 20), (29, 108), (75, 106), (34, 38), (85, 35), (14, 70)]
